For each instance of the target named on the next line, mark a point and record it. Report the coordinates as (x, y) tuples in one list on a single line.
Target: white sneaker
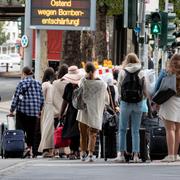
[(120, 159), (177, 157), (136, 159), (83, 157), (90, 158), (169, 158)]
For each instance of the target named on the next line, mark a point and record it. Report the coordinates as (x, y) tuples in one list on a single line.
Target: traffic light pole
[(141, 21), (28, 33), (156, 55)]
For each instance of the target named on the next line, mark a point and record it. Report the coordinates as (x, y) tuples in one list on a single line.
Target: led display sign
[(63, 14)]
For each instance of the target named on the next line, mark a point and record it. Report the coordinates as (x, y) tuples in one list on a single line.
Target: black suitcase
[(13, 144), (143, 145), (3, 127), (157, 143), (108, 145)]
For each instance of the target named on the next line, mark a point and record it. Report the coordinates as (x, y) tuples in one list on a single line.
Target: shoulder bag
[(166, 90)]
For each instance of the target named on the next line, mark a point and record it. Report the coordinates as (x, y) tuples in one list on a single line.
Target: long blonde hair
[(130, 58), (174, 67)]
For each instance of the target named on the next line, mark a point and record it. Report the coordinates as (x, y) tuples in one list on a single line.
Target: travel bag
[(13, 141), (13, 144), (157, 143), (108, 145), (143, 145), (3, 127)]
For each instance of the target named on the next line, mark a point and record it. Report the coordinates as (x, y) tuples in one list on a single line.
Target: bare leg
[(177, 138), (170, 136)]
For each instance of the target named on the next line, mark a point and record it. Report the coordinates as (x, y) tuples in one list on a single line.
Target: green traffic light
[(155, 28)]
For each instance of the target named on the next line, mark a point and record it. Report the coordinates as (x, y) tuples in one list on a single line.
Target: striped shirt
[(28, 97)]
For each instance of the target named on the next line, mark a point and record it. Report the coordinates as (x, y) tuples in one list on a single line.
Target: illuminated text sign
[(63, 14)]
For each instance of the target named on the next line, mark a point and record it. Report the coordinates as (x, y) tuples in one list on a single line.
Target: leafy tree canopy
[(3, 37), (114, 7), (176, 6)]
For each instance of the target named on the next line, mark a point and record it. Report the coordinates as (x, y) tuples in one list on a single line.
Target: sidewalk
[(12, 74), (5, 106)]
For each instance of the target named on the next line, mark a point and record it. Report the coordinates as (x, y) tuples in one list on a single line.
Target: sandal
[(27, 153), (47, 155)]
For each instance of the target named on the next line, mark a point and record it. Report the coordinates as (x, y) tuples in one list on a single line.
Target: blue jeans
[(133, 110)]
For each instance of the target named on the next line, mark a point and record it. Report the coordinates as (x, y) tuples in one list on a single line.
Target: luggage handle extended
[(11, 126)]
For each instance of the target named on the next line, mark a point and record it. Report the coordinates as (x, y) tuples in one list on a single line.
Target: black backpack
[(132, 88)]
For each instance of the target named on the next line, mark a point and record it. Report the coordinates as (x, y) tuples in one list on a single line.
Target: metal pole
[(28, 32), (38, 55), (166, 5), (156, 55), (141, 21)]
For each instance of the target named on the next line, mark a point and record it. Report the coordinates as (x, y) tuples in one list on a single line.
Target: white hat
[(74, 75)]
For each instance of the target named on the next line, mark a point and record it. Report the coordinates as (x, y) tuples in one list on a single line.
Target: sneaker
[(169, 158), (89, 158), (136, 159), (177, 157), (120, 159), (83, 157)]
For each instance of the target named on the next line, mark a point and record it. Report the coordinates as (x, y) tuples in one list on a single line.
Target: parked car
[(16, 58), (6, 59)]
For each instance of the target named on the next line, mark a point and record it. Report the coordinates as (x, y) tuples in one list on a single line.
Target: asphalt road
[(7, 87), (44, 169)]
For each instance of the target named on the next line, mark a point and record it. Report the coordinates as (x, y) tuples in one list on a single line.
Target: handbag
[(110, 118), (59, 141), (77, 98), (166, 90)]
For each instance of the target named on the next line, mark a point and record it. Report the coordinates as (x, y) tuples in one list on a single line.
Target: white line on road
[(63, 164)]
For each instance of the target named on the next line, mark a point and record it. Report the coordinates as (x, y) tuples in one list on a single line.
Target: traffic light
[(176, 43), (155, 23), (168, 28), (171, 29)]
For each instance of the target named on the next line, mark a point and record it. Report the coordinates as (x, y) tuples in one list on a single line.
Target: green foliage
[(176, 6), (115, 7), (3, 37)]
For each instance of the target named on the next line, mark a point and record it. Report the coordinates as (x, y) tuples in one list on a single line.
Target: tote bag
[(166, 90)]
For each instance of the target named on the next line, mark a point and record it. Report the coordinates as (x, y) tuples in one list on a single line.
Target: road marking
[(94, 164)]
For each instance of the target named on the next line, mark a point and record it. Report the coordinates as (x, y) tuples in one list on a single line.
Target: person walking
[(47, 119), (59, 86), (68, 112), (90, 119), (169, 112), (131, 87), (28, 101)]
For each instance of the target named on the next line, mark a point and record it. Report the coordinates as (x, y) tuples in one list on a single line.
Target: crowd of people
[(51, 102)]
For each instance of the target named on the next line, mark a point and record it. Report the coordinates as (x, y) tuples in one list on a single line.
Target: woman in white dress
[(170, 113), (47, 119)]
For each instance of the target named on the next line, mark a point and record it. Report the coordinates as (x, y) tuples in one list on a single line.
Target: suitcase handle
[(11, 126)]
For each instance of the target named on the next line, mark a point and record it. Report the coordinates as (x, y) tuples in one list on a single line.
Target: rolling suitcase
[(108, 145), (157, 143), (3, 127), (13, 144), (13, 141), (143, 145)]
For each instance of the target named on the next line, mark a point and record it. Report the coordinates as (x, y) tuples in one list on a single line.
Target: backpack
[(77, 99), (132, 88)]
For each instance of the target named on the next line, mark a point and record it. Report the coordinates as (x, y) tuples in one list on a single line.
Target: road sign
[(63, 15), (24, 41)]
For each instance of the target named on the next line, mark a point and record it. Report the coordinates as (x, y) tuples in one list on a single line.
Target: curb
[(10, 74)]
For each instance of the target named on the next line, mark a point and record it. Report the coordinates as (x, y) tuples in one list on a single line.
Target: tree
[(3, 37), (176, 6), (74, 44), (71, 46)]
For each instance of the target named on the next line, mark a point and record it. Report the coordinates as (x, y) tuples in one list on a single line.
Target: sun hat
[(74, 75)]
